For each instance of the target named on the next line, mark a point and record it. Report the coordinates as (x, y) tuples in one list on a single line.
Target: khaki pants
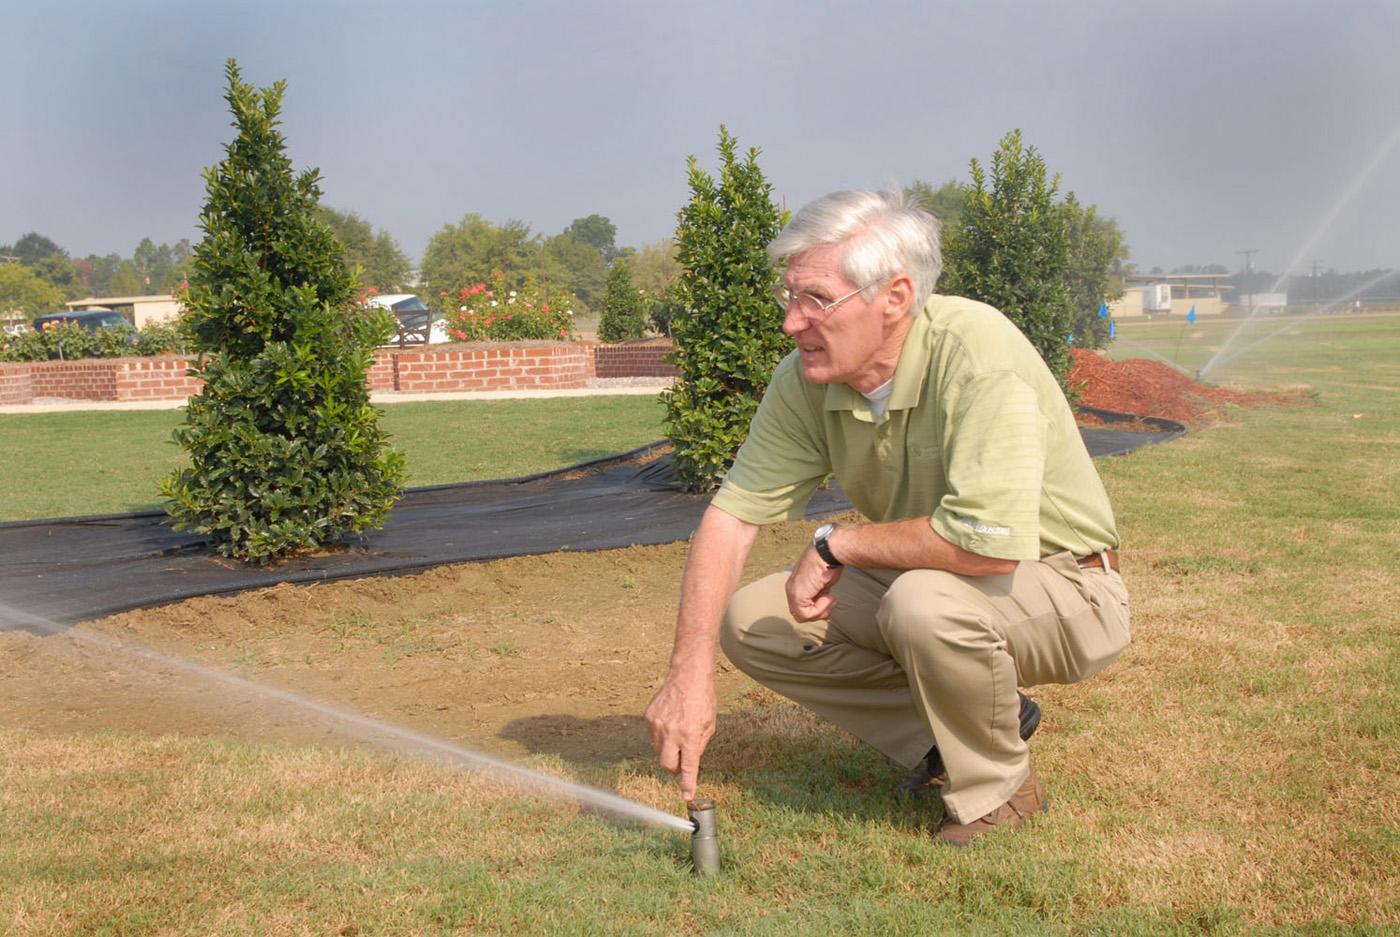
[(923, 656)]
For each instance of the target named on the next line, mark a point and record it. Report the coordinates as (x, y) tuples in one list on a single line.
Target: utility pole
[(1248, 269), (1315, 299)]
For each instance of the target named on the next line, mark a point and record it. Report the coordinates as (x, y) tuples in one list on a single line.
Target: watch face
[(823, 531)]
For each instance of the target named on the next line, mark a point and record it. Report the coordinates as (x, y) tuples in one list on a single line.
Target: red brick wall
[(88, 379), (492, 366), (456, 367), (158, 378), (635, 359), (15, 384), (381, 371)]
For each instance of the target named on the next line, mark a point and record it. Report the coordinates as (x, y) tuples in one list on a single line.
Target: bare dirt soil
[(550, 654)]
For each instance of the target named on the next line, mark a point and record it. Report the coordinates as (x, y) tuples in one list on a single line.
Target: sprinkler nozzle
[(704, 843)]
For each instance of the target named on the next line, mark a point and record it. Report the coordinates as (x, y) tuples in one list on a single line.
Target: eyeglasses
[(810, 306)]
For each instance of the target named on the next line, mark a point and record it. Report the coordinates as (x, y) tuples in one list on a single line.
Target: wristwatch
[(819, 540)]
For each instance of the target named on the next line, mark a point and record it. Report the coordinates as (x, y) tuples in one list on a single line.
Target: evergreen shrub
[(160, 338), (624, 315), (286, 452), (1011, 249), (662, 308), (729, 337)]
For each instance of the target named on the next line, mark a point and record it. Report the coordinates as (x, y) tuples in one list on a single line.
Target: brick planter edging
[(162, 377), (482, 366), (16, 383), (455, 367), (643, 358)]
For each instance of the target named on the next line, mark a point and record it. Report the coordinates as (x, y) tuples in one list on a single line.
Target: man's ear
[(900, 295)]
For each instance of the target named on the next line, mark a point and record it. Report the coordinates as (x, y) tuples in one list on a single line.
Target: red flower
[(545, 308)]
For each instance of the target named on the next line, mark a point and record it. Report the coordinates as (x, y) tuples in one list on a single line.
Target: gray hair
[(884, 235)]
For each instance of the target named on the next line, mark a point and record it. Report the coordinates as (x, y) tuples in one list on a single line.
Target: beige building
[(141, 310), (1171, 294)]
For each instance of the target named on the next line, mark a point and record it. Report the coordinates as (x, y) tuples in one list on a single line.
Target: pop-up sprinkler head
[(704, 843)]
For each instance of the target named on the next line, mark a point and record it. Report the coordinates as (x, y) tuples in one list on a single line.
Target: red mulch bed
[(1151, 388)]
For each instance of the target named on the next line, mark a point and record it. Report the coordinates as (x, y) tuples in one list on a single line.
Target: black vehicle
[(91, 320)]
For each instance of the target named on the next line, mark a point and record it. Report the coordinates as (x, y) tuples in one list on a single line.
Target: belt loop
[(1103, 561)]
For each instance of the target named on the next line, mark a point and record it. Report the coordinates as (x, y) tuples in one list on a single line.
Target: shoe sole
[(1030, 716)]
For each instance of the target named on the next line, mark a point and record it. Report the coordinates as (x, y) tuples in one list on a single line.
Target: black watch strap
[(824, 548)]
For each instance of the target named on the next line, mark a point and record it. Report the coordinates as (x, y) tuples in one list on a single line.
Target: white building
[(1171, 294)]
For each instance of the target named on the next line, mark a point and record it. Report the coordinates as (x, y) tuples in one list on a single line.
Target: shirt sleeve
[(782, 460), (994, 459)]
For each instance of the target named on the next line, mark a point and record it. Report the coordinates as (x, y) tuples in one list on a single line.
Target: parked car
[(415, 320), (91, 320)]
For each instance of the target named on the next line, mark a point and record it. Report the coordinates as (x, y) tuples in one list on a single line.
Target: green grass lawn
[(1234, 773), (100, 462)]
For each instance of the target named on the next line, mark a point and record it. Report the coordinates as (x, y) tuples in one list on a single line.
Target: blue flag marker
[(1191, 316), (1103, 310), (1112, 328), (1070, 340)]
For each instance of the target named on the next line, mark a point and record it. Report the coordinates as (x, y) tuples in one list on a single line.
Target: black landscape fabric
[(62, 571)]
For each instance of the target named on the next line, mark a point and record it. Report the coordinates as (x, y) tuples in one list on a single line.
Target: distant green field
[(1271, 349), (100, 462)]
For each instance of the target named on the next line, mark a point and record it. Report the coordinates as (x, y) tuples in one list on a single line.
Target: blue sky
[(1203, 128)]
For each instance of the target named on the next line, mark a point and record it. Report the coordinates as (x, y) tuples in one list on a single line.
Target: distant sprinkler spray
[(704, 842)]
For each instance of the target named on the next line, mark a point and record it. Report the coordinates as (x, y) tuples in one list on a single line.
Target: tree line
[(37, 275)]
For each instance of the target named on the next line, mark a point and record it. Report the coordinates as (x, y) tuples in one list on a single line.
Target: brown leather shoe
[(930, 777), (1028, 800)]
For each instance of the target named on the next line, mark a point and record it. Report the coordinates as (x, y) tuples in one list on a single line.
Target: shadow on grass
[(776, 753)]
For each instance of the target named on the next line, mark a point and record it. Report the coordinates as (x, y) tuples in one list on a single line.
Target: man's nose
[(793, 320)]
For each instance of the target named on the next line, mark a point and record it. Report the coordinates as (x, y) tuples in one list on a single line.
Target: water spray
[(704, 841), (1350, 192), (138, 658), (1221, 358), (1157, 355)]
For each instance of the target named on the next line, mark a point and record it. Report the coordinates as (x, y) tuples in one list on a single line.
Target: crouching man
[(990, 560)]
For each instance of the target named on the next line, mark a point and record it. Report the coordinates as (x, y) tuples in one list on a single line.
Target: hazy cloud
[(1204, 128)]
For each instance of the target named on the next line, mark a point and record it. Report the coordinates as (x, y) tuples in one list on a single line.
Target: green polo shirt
[(977, 437)]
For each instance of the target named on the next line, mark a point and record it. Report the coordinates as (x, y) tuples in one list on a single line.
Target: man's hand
[(809, 587), (681, 720)]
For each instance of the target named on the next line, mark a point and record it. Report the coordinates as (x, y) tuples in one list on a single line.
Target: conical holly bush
[(285, 450)]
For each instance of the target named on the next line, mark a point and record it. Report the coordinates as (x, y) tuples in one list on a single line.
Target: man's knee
[(930, 607), (750, 614), (731, 636)]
